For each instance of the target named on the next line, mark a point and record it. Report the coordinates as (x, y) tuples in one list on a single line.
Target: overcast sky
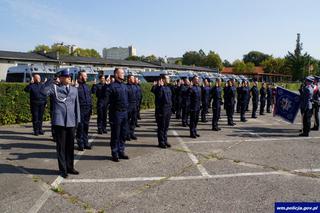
[(164, 27)]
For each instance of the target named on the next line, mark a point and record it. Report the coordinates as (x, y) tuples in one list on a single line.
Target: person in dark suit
[(185, 104), (316, 102), (99, 90), (238, 105), (306, 105), (38, 103), (139, 101), (244, 93), (263, 93), (65, 118), (195, 101), (269, 98), (216, 104), (205, 99), (117, 94), (230, 93), (163, 101), (85, 102), (255, 99), (178, 98), (132, 109)]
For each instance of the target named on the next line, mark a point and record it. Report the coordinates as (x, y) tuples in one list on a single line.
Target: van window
[(15, 77)]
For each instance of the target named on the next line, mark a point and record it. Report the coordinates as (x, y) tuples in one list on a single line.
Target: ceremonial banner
[(287, 104)]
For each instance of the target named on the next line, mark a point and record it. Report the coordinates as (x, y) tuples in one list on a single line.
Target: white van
[(23, 72)]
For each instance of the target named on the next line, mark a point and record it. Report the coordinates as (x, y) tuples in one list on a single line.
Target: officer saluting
[(255, 99), (216, 104), (85, 102), (65, 118), (195, 101), (163, 101), (99, 90), (38, 102), (306, 105), (229, 95), (117, 94)]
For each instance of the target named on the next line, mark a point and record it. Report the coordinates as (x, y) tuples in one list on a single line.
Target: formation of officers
[(119, 101)]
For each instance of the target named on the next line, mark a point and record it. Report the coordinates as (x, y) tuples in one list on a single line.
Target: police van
[(23, 72), (91, 73)]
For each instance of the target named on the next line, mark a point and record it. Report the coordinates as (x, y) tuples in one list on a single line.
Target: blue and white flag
[(287, 104)]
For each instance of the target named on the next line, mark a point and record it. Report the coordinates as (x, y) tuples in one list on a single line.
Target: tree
[(242, 67), (42, 48), (213, 60), (62, 50), (191, 58), (275, 65), (86, 53), (255, 57), (226, 63), (299, 63)]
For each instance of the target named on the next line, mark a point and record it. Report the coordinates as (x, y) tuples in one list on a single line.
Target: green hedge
[(14, 103)]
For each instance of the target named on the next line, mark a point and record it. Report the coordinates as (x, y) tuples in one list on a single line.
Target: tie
[(67, 89)]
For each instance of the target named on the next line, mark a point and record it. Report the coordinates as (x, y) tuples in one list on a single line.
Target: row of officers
[(189, 102), (71, 108)]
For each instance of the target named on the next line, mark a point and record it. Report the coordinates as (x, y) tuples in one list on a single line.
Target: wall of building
[(3, 69)]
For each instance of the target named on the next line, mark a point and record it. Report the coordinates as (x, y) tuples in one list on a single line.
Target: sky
[(169, 28)]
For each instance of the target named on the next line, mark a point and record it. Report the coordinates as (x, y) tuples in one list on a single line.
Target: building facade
[(119, 53)]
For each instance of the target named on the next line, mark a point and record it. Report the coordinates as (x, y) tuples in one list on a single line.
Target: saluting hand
[(32, 80)]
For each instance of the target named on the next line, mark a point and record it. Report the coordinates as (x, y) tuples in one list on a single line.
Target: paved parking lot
[(245, 168)]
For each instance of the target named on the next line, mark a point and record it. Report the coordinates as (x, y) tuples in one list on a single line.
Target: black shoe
[(63, 174), (105, 131), (128, 139), (41, 132), (133, 137), (304, 135), (168, 145), (162, 146), (193, 136), (233, 124), (36, 133), (100, 132), (254, 117), (184, 125), (216, 129), (123, 156), (243, 120), (73, 171), (315, 128), (88, 146), (197, 135), (115, 159), (80, 148), (137, 125)]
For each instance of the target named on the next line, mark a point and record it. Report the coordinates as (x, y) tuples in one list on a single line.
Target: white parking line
[(284, 139), (141, 179), (47, 193), (193, 158)]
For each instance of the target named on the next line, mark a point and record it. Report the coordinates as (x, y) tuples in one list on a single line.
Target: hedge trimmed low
[(15, 108)]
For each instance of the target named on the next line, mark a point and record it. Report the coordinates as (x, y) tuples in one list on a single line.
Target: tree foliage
[(255, 57)]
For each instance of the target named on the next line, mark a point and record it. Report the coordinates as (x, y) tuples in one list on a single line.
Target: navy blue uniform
[(230, 93), (117, 94), (244, 97), (255, 100), (139, 101), (132, 110), (216, 106), (85, 102), (178, 101), (263, 94), (99, 90), (269, 100), (163, 101), (185, 104), (195, 102), (306, 108), (205, 99), (315, 106), (238, 99), (38, 101)]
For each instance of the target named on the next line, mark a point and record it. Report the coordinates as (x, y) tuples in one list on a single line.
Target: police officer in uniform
[(185, 101), (255, 99), (132, 110), (139, 101), (163, 100), (306, 105), (238, 105), (316, 102), (195, 101), (66, 116), (263, 94), (117, 94), (99, 90), (85, 102), (244, 93), (269, 98), (216, 104), (38, 102), (205, 99), (178, 98), (230, 93)]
